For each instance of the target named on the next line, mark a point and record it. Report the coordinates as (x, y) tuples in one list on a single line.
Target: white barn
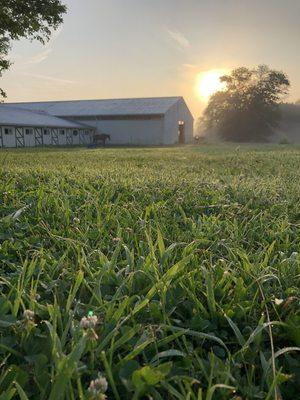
[(25, 128), (146, 121)]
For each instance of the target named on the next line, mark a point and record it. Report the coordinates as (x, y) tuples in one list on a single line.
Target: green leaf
[(8, 394), (72, 294), (236, 331), (167, 354), (160, 242), (149, 376), (21, 392), (66, 369)]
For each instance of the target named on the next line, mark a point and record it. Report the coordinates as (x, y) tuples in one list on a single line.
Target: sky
[(148, 48)]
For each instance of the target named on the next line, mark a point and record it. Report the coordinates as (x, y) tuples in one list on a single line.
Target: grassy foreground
[(173, 273)]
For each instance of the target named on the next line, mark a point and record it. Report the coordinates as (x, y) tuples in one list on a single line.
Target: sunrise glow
[(209, 83)]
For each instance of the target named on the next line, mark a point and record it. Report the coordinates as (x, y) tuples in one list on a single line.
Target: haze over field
[(133, 48)]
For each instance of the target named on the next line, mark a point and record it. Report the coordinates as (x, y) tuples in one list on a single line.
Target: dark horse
[(100, 138)]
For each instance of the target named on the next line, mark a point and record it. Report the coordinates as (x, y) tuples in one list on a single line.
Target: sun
[(209, 83)]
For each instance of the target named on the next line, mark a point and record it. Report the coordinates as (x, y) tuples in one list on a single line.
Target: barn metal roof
[(142, 106), (22, 117)]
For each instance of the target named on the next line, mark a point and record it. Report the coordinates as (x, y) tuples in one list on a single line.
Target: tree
[(31, 19), (247, 110)]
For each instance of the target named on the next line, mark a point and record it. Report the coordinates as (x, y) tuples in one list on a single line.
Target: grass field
[(174, 273)]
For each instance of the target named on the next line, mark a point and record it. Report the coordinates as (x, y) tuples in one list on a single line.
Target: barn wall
[(130, 132), (62, 138), (185, 115), (29, 139), (178, 112), (47, 139), (9, 140), (75, 137)]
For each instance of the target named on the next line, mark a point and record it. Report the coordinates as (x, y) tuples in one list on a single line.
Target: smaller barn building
[(146, 121), (25, 128)]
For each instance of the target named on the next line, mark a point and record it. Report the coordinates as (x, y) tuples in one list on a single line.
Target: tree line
[(248, 108)]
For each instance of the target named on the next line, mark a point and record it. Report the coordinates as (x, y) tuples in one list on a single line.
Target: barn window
[(28, 131), (46, 131), (8, 131), (61, 131), (75, 133)]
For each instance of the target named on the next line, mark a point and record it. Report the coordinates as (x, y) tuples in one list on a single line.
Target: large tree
[(31, 19), (247, 110)]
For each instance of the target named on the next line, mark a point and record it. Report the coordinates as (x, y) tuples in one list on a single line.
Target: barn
[(24, 128), (145, 121)]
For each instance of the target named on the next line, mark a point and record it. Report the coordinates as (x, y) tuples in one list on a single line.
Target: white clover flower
[(294, 255), (278, 301), (28, 315), (98, 387), (89, 322)]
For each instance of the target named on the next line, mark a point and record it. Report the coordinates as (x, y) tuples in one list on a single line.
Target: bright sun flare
[(209, 83)]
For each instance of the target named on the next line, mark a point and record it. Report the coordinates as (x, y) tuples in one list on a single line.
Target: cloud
[(43, 54), (189, 66), (178, 38), (38, 58), (49, 78)]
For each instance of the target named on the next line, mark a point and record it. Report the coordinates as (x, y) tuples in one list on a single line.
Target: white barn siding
[(47, 137), (130, 131), (9, 140), (178, 112), (75, 138), (29, 139), (62, 138)]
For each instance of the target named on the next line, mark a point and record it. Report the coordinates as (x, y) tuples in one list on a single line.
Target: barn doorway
[(181, 135)]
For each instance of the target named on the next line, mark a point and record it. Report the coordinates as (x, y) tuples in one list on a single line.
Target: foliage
[(31, 19), (247, 109), (150, 273)]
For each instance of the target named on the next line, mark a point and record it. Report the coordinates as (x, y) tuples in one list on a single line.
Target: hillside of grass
[(159, 273)]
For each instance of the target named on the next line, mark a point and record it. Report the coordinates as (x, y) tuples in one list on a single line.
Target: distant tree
[(31, 19), (247, 109)]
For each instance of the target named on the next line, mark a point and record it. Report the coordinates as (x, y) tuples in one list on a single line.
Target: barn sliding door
[(20, 140), (54, 137), (81, 137), (1, 137), (69, 137), (38, 136)]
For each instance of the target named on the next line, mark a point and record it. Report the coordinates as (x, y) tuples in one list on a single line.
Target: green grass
[(188, 257)]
